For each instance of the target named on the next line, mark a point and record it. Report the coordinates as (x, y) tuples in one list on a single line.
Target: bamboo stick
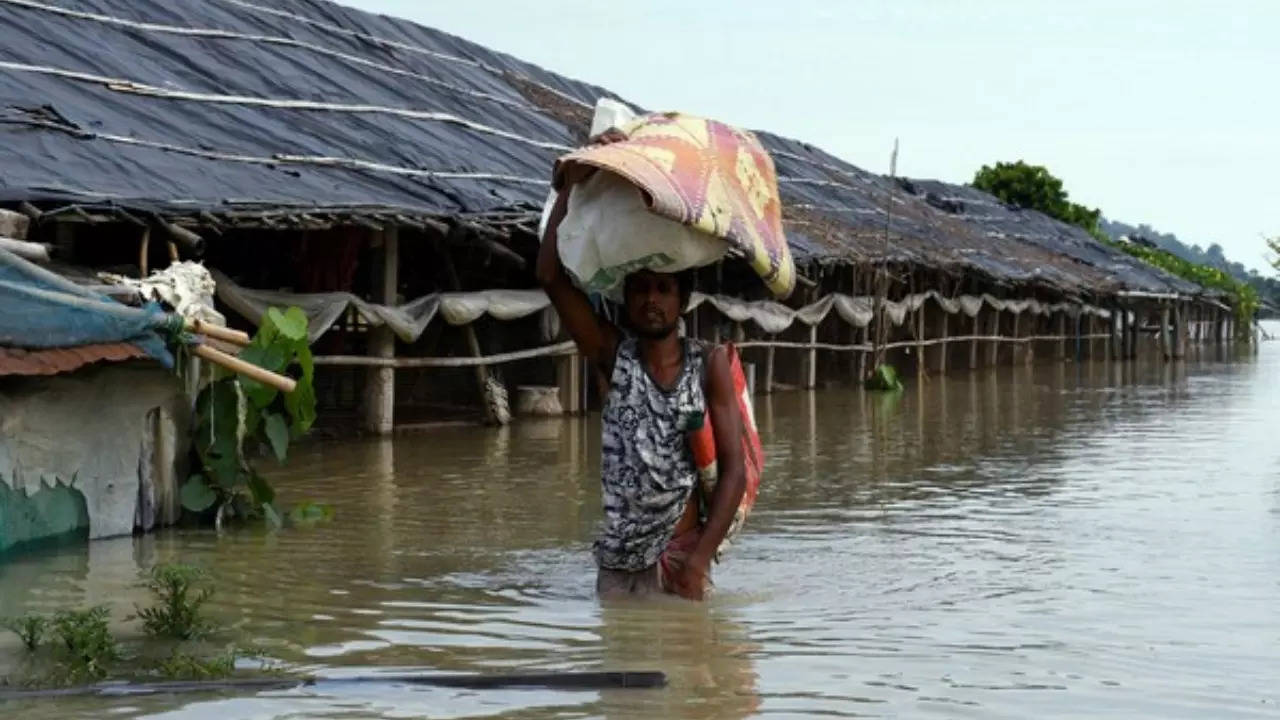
[(144, 246), (249, 370), (199, 327), (35, 252)]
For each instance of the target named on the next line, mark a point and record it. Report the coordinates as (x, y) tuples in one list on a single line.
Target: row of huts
[(388, 178)]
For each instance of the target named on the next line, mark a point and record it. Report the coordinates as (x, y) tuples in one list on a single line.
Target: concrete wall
[(99, 452)]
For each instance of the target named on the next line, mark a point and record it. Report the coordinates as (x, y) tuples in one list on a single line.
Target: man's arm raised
[(597, 339)]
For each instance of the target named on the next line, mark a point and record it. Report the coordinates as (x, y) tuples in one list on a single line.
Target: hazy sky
[(1161, 112)]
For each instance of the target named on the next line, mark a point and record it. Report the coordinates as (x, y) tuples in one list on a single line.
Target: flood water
[(1062, 540)]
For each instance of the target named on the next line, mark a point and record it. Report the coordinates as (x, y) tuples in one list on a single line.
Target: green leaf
[(272, 516), (269, 357), (277, 431), (301, 404), (308, 365), (196, 494), (309, 512), (263, 494), (292, 323)]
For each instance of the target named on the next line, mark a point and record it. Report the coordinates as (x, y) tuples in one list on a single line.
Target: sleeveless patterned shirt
[(647, 468)]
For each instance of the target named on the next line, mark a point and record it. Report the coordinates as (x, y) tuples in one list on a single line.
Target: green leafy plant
[(885, 379), (30, 628), (185, 666), (180, 592), (86, 644), (232, 411)]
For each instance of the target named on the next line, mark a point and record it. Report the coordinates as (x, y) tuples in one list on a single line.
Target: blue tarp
[(45, 310)]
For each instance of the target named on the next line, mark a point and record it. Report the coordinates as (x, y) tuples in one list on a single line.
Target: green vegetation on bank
[(1034, 187), (76, 646)]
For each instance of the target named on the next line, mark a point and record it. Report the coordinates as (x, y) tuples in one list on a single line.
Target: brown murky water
[(1033, 542)]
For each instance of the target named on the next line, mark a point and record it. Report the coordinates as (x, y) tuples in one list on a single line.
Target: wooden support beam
[(380, 392), (768, 367), (993, 347), (1018, 349), (811, 372), (1179, 328), (1165, 351), (469, 331), (944, 349), (920, 341), (1061, 353), (144, 247), (973, 346), (35, 252)]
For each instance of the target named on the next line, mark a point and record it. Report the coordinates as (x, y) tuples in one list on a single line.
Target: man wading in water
[(659, 386)]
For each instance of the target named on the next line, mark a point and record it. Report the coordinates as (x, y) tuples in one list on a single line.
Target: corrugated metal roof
[(21, 361)]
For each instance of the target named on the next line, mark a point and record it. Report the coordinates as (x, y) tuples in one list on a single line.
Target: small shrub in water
[(30, 628), (86, 643), (180, 592), (183, 666)]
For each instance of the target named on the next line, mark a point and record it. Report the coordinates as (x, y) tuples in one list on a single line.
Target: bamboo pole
[(919, 338), (33, 251), (249, 370), (199, 327), (811, 377), (1124, 332), (973, 348), (1018, 350), (1165, 351), (993, 346), (380, 398), (768, 368), (469, 330), (144, 247), (943, 348)]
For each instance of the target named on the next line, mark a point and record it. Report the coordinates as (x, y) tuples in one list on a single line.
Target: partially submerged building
[(389, 178), (93, 422)]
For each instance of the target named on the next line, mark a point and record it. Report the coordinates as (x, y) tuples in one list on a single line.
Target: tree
[(1035, 188), (1274, 244)]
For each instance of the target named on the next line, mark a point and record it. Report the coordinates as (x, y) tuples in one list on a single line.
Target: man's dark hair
[(684, 285)]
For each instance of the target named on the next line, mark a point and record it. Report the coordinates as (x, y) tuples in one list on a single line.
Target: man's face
[(653, 303)]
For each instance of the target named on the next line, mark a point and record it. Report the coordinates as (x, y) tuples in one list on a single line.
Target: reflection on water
[(1059, 539)]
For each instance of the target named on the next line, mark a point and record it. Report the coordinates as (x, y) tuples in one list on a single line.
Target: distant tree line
[(1034, 187)]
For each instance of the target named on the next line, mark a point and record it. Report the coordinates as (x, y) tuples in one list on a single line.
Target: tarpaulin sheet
[(44, 310), (230, 105)]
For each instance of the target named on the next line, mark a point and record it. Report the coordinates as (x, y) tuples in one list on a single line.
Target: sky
[(1165, 113)]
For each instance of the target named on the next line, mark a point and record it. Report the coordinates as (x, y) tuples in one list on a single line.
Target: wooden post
[(1016, 354), (768, 366), (1124, 332), (1061, 343), (920, 341), (473, 341), (1090, 331), (973, 344), (380, 395), (144, 247), (993, 345), (1165, 351), (1179, 331), (811, 374), (944, 347), (569, 381)]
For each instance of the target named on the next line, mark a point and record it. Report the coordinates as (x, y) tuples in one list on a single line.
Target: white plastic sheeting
[(409, 320)]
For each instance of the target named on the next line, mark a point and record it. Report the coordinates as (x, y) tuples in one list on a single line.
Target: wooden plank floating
[(585, 681)]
